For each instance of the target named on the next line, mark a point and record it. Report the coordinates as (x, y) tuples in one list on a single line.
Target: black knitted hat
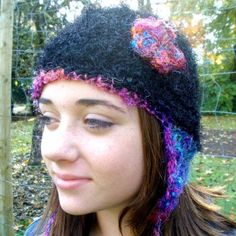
[(98, 43)]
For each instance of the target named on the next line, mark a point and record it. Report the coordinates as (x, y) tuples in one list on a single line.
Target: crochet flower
[(154, 40)]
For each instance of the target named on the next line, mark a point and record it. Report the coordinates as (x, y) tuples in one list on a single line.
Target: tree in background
[(34, 22), (211, 28), (144, 6), (233, 77)]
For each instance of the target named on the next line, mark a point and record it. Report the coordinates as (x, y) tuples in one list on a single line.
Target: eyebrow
[(96, 102), (45, 101), (87, 103)]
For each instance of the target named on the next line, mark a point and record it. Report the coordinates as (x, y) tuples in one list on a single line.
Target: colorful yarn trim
[(180, 148), (154, 40), (44, 78)]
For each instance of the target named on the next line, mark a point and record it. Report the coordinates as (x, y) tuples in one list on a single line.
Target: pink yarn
[(154, 40), (44, 78)]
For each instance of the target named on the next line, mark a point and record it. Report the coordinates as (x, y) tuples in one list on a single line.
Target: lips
[(67, 182)]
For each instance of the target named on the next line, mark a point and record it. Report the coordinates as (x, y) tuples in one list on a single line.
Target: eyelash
[(45, 120), (97, 124)]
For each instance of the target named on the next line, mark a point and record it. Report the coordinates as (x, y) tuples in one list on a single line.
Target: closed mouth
[(64, 181)]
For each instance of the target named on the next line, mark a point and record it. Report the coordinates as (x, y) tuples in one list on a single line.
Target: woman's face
[(92, 147)]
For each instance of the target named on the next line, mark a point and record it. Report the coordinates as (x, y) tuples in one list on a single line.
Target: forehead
[(71, 91)]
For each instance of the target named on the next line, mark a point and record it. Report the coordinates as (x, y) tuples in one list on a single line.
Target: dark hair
[(195, 214)]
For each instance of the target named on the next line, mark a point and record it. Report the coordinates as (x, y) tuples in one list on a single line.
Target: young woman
[(118, 93)]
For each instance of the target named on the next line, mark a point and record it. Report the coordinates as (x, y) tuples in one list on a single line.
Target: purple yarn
[(179, 151), (44, 78), (50, 223)]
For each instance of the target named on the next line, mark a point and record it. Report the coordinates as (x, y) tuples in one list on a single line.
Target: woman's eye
[(96, 123), (46, 120)]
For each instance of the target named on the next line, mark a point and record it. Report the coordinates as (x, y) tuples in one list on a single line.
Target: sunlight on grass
[(212, 172), (21, 135), (219, 122)]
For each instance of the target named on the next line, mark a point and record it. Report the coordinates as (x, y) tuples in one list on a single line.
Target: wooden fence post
[(6, 198)]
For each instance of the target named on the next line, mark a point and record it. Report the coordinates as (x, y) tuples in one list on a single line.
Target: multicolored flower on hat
[(154, 40)]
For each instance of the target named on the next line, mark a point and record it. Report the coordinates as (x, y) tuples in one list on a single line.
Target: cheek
[(119, 160), (46, 142)]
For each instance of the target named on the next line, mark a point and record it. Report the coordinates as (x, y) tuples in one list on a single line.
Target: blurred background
[(211, 28)]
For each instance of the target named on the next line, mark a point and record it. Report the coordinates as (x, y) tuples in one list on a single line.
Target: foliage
[(211, 28)]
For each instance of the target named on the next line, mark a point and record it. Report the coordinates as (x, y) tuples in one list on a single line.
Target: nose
[(60, 145)]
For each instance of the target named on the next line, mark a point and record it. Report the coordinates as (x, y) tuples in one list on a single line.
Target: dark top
[(32, 227), (30, 231)]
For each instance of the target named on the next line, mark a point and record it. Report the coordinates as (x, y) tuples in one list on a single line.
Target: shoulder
[(32, 227), (231, 232)]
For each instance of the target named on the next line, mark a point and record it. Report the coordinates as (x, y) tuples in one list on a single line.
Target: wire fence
[(35, 21)]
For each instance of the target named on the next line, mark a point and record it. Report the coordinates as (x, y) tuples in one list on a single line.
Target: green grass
[(227, 123), (213, 172), (21, 135)]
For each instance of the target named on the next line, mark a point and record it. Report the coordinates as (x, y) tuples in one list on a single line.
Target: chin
[(73, 207), (72, 210)]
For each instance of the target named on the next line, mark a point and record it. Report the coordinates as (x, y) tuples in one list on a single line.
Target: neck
[(108, 224)]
